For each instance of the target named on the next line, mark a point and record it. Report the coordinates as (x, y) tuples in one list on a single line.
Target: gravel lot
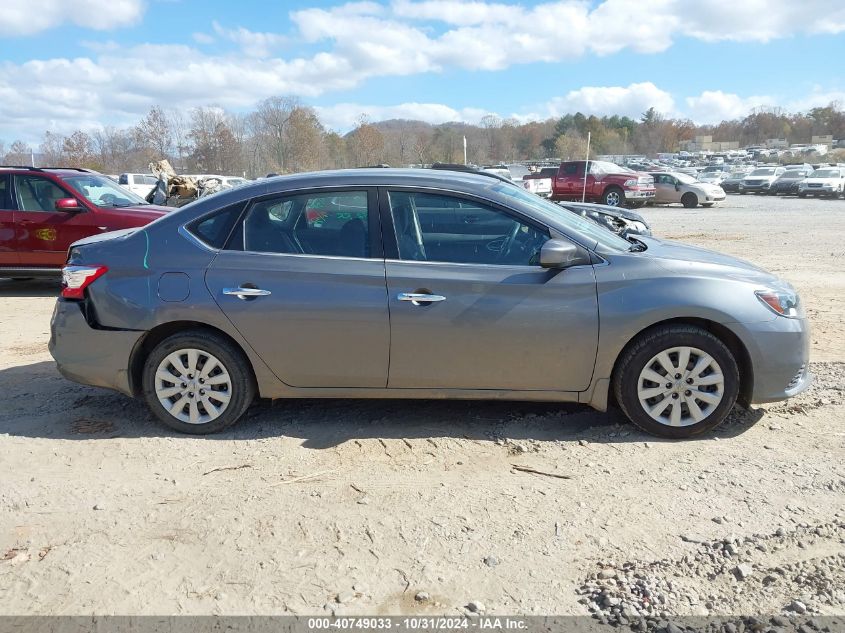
[(416, 507)]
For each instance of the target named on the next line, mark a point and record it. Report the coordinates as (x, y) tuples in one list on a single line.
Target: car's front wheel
[(689, 200), (613, 197), (197, 382), (677, 381)]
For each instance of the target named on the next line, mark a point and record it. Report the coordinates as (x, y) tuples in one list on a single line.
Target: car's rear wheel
[(613, 197), (677, 381), (197, 382), (689, 200)]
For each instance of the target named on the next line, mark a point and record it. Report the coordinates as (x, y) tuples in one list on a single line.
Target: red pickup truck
[(43, 210), (605, 183)]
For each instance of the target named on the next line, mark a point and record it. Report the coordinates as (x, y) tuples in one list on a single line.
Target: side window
[(327, 223), (35, 193), (5, 203), (437, 228), (215, 230), (571, 169), (123, 179)]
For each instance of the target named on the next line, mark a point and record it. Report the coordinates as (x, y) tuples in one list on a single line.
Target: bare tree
[(154, 135), (19, 154)]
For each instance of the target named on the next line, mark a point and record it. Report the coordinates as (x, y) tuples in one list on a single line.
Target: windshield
[(825, 173), (768, 171), (559, 215), (103, 192), (684, 178)]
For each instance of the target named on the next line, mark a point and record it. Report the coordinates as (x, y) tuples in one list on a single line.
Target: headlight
[(631, 183), (781, 301)]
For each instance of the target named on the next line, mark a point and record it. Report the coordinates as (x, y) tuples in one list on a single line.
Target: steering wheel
[(108, 199), (507, 246)]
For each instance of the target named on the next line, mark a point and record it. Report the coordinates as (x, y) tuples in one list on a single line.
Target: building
[(705, 143)]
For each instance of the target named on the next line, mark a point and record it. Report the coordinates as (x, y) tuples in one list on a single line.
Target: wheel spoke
[(694, 409), (683, 359), (703, 362), (193, 358), (220, 396), (652, 392), (675, 417), (653, 376), (212, 410), (711, 379), (168, 392), (219, 379), (704, 396), (176, 361), (659, 408), (166, 376), (209, 367), (666, 363), (176, 407), (193, 412)]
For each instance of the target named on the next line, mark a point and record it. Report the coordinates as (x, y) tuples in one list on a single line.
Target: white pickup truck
[(540, 182)]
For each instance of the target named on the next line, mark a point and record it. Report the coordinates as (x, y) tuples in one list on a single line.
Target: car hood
[(790, 178), (821, 181), (151, 211), (686, 259)]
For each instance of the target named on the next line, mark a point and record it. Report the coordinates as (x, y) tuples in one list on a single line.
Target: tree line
[(281, 135)]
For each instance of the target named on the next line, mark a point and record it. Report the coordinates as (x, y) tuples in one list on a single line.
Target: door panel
[(325, 321), (44, 234), (325, 324), (499, 327), (8, 247)]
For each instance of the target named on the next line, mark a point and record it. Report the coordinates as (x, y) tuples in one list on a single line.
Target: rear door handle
[(246, 293), (420, 298)]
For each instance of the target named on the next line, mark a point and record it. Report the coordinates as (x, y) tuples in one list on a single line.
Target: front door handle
[(420, 298), (246, 293)]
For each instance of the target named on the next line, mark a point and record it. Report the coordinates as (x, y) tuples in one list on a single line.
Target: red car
[(44, 210), (606, 183)]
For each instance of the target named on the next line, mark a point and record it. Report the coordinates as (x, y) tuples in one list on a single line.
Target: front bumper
[(638, 194), (779, 351), (88, 355)]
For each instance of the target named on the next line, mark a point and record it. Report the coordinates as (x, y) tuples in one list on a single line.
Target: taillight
[(75, 279)]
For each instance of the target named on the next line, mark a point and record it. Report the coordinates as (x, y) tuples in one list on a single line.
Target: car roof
[(381, 176), (50, 170)]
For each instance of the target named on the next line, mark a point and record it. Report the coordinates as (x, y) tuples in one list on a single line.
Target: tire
[(802, 195), (227, 394), (636, 205), (613, 197), (707, 205), (631, 381), (689, 200)]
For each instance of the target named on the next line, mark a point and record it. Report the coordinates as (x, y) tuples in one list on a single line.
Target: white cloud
[(203, 38), (712, 106), (630, 100), (251, 43), (25, 17), (345, 116)]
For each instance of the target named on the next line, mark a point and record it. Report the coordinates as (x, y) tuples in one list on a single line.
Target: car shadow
[(40, 403), (36, 287)]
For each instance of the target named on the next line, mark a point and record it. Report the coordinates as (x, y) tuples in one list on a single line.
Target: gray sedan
[(389, 283)]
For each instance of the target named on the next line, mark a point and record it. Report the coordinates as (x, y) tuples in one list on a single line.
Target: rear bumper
[(88, 355), (780, 358)]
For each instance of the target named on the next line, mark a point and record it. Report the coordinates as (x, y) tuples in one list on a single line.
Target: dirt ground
[(312, 507)]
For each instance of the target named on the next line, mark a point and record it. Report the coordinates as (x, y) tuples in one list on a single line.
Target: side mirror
[(557, 253), (677, 187), (67, 204)]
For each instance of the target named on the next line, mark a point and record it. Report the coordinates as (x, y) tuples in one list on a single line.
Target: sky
[(81, 64)]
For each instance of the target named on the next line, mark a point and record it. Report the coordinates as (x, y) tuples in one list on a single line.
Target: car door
[(45, 233), (470, 307), (8, 246), (662, 193), (302, 279)]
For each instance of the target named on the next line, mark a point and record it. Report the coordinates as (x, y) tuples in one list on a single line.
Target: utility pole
[(586, 169)]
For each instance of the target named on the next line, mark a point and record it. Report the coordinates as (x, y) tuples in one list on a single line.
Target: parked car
[(605, 182), (713, 177), (621, 221), (825, 181), (788, 181), (139, 184), (731, 183), (759, 180), (673, 186), (43, 211), (424, 284)]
